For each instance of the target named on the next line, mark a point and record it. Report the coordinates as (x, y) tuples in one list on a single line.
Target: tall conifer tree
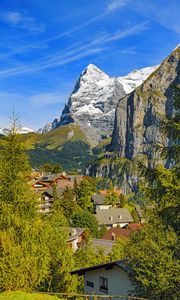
[(23, 251)]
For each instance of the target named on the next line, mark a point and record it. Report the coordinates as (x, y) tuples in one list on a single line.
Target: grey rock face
[(138, 114), (93, 100)]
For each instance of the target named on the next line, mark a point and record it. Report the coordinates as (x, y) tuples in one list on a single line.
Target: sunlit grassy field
[(25, 296)]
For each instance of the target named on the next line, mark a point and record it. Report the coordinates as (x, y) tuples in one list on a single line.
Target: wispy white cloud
[(18, 20), (62, 58), (136, 29), (116, 4)]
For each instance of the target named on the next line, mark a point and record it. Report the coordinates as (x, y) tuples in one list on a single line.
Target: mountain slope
[(66, 145)]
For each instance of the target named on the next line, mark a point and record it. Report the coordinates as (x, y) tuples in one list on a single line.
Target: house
[(113, 217), (107, 279), (46, 199), (99, 199), (113, 234), (77, 237), (61, 180)]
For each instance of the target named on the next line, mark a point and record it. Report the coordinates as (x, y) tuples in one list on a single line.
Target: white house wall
[(119, 283)]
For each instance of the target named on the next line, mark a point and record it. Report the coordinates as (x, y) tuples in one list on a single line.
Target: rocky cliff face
[(138, 114), (93, 101), (137, 125)]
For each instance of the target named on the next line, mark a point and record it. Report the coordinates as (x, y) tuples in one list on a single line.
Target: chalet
[(46, 199), (99, 200), (61, 180), (113, 217), (77, 237), (112, 278)]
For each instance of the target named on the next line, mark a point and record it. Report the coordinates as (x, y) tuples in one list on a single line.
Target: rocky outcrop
[(138, 114)]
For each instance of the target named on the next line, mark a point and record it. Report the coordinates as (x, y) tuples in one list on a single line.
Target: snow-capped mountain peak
[(95, 96)]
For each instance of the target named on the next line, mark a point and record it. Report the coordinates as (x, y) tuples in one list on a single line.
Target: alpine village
[(90, 203)]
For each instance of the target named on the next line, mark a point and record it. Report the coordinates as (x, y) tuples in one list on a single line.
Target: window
[(90, 284), (103, 284)]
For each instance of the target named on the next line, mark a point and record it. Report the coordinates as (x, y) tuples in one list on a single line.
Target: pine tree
[(23, 251), (68, 202)]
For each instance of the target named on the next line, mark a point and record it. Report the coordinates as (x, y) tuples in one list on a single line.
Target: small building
[(113, 217), (77, 237), (99, 199), (46, 199), (112, 278)]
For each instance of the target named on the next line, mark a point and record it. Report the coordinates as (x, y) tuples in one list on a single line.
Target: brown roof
[(115, 233)]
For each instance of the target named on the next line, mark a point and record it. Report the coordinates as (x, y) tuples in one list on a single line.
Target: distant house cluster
[(43, 186)]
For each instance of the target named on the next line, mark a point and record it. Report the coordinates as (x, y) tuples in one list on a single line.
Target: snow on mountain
[(135, 78), (22, 130), (95, 97)]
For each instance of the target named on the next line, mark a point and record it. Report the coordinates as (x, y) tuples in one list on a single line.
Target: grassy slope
[(66, 145), (25, 296)]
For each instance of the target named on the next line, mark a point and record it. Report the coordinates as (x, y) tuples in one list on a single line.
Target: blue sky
[(45, 45)]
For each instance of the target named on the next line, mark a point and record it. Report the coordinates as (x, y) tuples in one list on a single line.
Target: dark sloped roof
[(119, 263)]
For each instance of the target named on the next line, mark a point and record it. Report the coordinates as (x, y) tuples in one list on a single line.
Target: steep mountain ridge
[(138, 114), (137, 125), (94, 99)]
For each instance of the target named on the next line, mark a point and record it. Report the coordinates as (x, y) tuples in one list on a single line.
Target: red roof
[(116, 232)]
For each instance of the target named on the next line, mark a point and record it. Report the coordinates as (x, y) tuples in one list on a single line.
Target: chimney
[(113, 237)]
